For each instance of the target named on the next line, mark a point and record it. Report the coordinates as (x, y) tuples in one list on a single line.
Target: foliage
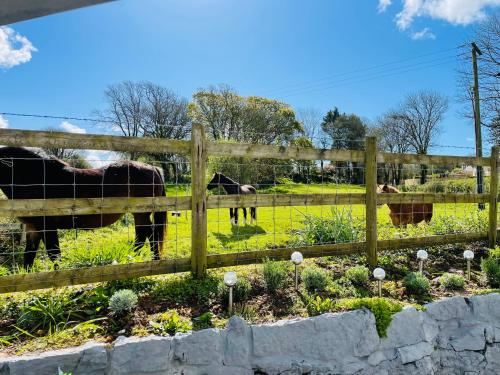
[(241, 291), (318, 305), (203, 321), (416, 284), (169, 323), (441, 185), (123, 301), (183, 289), (452, 281), (382, 308), (339, 228), (275, 275), (315, 279), (491, 267), (49, 312), (358, 275)]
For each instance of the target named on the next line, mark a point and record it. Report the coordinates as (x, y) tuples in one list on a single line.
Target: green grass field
[(275, 227)]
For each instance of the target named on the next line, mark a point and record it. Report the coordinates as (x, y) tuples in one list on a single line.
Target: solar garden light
[(421, 256), (379, 274), (296, 259), (468, 255), (230, 280)]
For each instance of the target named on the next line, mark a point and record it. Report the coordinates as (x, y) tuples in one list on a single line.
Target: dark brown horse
[(403, 214), (26, 174), (233, 188)]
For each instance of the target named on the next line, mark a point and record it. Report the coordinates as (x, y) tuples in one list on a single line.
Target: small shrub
[(358, 275), (452, 281), (186, 289), (337, 229), (315, 279), (318, 305), (416, 284), (241, 291), (169, 323), (203, 321), (275, 275), (50, 312), (491, 267), (123, 301), (382, 308)]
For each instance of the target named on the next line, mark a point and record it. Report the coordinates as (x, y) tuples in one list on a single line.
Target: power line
[(55, 117), (374, 67)]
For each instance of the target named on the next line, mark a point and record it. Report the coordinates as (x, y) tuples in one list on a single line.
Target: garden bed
[(165, 305)]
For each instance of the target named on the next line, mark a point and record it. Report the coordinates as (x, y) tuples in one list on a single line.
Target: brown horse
[(403, 214), (26, 174)]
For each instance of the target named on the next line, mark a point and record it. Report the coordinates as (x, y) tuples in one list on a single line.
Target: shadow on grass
[(239, 233)]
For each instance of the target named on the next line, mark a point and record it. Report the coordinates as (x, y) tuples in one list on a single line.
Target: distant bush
[(315, 279), (358, 275), (275, 275), (241, 291), (416, 284), (123, 301), (491, 267), (466, 186), (452, 281)]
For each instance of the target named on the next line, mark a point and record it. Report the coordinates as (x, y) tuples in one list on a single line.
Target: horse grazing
[(233, 188), (27, 174), (403, 214)]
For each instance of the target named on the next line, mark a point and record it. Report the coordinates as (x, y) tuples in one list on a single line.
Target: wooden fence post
[(198, 202), (493, 221), (371, 199)]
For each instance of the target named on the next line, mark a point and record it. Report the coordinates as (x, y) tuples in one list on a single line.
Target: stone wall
[(453, 336)]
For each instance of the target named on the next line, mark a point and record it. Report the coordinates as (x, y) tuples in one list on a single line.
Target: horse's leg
[(253, 214), (231, 216), (143, 229), (244, 216), (51, 241), (33, 238), (235, 211)]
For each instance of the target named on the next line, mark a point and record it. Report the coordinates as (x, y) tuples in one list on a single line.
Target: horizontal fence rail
[(199, 149)]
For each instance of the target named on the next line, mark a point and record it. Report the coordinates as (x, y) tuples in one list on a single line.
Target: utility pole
[(477, 121)]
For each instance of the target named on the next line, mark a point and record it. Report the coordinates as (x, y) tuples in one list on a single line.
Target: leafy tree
[(346, 132)]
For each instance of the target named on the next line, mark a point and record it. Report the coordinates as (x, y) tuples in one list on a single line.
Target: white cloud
[(4, 123), (423, 34), (70, 128), (15, 49), (469, 139), (383, 4), (457, 12), (99, 159)]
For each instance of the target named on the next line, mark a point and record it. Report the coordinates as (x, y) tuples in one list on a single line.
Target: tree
[(487, 38), (347, 132), (419, 118), (70, 156), (392, 138), (145, 109), (229, 116), (310, 118)]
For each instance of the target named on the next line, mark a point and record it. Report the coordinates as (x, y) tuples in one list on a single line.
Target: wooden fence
[(199, 149)]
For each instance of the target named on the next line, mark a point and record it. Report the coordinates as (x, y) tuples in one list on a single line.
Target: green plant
[(241, 291), (315, 279), (452, 281), (382, 309), (275, 274), (416, 284), (247, 312), (47, 312), (169, 323), (358, 275), (337, 229), (491, 267), (186, 289), (123, 301), (203, 321), (318, 305)]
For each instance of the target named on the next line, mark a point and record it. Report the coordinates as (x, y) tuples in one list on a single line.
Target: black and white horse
[(233, 188)]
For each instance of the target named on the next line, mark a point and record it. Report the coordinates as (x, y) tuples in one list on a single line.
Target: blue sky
[(309, 54)]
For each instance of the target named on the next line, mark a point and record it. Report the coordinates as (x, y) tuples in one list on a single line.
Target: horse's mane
[(390, 189), (227, 179)]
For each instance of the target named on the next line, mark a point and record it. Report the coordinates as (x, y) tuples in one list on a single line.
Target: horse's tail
[(159, 218)]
